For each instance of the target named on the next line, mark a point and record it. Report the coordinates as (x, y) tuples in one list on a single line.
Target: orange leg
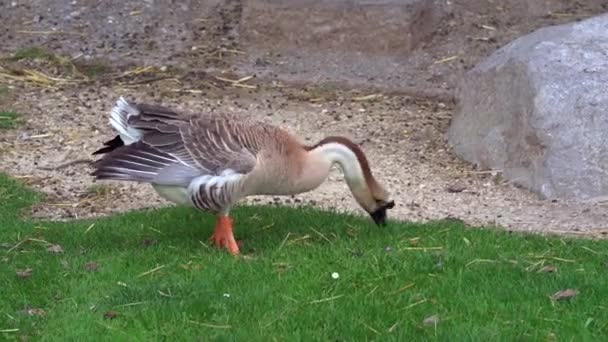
[(223, 237)]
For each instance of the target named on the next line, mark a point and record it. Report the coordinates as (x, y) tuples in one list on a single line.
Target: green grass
[(93, 69), (31, 53), (484, 285), (99, 190), (9, 119), (4, 90)]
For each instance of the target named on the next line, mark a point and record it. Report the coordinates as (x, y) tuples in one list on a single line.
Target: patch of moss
[(94, 69), (99, 190), (9, 119), (32, 53), (323, 91)]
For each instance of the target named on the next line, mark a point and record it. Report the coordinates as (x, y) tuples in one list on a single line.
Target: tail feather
[(128, 157), (137, 162), (119, 119), (110, 145), (140, 162)]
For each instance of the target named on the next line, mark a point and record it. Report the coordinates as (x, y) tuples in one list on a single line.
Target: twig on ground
[(284, 240), (305, 237), (370, 328), (90, 227), (321, 234), (403, 288), (135, 71), (367, 98), (415, 304), (208, 325), (50, 32), (445, 60), (555, 258), (152, 80), (130, 304), (64, 165), (424, 249), (151, 271), (482, 172), (17, 245), (326, 299), (237, 83), (480, 260)]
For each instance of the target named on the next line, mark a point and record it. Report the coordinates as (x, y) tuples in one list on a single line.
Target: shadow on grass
[(258, 226)]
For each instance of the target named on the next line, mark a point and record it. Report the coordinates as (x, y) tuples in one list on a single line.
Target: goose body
[(210, 162)]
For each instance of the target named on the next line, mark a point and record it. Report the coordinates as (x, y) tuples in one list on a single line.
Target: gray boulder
[(537, 109)]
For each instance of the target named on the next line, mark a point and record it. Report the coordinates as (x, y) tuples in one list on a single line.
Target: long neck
[(349, 156), (336, 153)]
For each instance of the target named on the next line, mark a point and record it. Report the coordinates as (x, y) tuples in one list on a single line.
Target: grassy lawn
[(150, 275), (8, 119), (59, 62)]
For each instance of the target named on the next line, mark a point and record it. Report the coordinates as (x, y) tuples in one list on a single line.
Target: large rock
[(356, 42), (538, 110)]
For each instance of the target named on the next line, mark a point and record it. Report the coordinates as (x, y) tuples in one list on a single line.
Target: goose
[(212, 161)]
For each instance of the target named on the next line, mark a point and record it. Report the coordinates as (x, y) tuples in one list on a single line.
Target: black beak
[(379, 215)]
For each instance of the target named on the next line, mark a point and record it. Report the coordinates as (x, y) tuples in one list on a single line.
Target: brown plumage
[(212, 161)]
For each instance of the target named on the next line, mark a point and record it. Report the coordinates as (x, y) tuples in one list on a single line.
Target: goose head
[(365, 188), (372, 197)]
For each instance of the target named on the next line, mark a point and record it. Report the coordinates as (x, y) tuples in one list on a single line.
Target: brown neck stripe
[(367, 173)]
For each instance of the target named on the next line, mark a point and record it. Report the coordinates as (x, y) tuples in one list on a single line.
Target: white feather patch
[(119, 118), (206, 182), (175, 194)]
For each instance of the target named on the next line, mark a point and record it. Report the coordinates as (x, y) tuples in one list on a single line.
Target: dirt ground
[(66, 118)]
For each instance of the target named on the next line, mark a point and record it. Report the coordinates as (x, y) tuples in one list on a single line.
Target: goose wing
[(173, 152)]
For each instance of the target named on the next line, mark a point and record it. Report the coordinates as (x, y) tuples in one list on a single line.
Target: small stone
[(91, 266), (455, 188), (26, 273), (357, 253), (431, 320), (564, 294), (547, 269), (35, 312), (148, 242), (110, 315), (55, 249)]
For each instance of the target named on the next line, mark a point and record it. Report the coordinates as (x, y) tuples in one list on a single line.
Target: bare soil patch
[(403, 135)]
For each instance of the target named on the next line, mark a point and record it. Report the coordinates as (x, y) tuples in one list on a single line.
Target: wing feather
[(211, 155), (141, 162)]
